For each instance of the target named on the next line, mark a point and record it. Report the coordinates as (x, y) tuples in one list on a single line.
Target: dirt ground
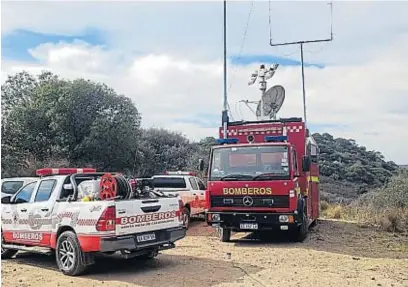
[(334, 254)]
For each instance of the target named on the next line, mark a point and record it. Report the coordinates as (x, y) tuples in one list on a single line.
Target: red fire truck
[(263, 176)]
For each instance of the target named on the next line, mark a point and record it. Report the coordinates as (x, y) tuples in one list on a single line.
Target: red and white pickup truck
[(75, 213), (188, 187)]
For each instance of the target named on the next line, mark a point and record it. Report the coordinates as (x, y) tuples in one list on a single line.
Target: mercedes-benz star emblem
[(248, 201)]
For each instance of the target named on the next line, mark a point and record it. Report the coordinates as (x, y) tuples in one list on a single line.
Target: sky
[(168, 58)]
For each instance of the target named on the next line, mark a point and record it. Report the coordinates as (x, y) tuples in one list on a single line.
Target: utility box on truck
[(263, 176)]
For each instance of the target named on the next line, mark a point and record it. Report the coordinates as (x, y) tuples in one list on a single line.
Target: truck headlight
[(292, 193), (216, 217), (283, 218)]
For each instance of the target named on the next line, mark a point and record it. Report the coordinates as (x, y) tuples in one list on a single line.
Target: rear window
[(11, 187), (169, 182)]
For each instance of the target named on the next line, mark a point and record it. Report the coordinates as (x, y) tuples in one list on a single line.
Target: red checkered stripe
[(48, 221), (65, 214), (37, 221), (23, 221), (40, 221), (294, 129), (255, 132), (6, 221), (263, 131), (87, 222)]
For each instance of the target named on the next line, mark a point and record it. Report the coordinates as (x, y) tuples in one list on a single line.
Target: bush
[(334, 211), (324, 205)]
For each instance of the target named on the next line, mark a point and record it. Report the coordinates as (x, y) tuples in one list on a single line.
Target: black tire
[(225, 234), (149, 256), (186, 217), (300, 233), (6, 253), (68, 244), (315, 223)]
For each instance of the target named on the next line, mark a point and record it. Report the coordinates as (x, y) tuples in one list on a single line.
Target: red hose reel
[(108, 186)]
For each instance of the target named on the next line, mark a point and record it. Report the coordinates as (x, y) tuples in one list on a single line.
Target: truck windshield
[(250, 163)]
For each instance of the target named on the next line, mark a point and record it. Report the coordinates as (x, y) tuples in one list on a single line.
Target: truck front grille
[(277, 201)]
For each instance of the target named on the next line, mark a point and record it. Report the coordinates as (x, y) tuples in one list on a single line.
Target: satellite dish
[(271, 102)]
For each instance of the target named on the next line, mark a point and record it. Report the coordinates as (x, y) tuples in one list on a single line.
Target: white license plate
[(248, 226), (146, 237)]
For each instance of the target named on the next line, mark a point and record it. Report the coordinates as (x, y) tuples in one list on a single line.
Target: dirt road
[(335, 254)]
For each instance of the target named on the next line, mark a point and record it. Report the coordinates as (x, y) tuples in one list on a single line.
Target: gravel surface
[(334, 254)]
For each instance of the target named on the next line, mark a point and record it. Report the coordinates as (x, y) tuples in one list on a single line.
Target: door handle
[(194, 193), (23, 210), (44, 209)]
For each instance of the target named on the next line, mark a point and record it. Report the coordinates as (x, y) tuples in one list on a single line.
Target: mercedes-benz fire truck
[(263, 176)]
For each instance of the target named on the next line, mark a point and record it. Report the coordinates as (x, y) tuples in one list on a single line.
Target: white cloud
[(195, 29), (368, 99)]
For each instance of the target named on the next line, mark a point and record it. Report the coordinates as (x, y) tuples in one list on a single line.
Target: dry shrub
[(324, 205), (393, 220), (334, 212)]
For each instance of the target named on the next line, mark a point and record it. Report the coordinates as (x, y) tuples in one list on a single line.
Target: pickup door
[(144, 215), (190, 188)]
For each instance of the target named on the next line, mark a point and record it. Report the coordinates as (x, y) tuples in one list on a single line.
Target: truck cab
[(188, 186), (257, 179)]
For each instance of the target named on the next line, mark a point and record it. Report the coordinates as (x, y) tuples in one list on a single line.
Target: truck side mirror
[(6, 200), (200, 165), (306, 162)]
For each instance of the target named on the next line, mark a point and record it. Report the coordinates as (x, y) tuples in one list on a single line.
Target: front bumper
[(262, 221), (164, 240)]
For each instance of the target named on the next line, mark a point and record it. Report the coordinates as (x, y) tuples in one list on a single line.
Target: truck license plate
[(146, 237), (248, 226)]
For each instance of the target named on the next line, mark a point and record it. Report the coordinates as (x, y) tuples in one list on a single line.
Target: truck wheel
[(301, 231), (6, 253), (225, 234), (186, 217), (69, 254), (149, 255)]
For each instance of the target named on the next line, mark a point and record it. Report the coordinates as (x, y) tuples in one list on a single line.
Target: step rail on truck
[(264, 176), (76, 213)]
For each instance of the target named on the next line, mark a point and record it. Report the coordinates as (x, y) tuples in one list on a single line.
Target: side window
[(295, 164), (193, 183), (45, 190), (11, 187), (201, 185), (25, 193)]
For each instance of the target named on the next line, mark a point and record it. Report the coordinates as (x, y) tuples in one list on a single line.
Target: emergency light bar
[(276, 138), (179, 173), (227, 141), (63, 171)]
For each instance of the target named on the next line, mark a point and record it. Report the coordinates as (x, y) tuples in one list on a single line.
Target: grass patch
[(388, 219)]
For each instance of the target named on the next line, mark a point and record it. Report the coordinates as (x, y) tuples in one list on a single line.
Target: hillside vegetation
[(48, 121), (386, 207), (349, 170)]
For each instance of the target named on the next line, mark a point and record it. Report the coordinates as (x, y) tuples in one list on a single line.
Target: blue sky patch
[(15, 45), (268, 59)]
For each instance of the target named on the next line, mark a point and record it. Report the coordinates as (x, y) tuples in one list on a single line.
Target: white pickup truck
[(188, 186), (62, 214)]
